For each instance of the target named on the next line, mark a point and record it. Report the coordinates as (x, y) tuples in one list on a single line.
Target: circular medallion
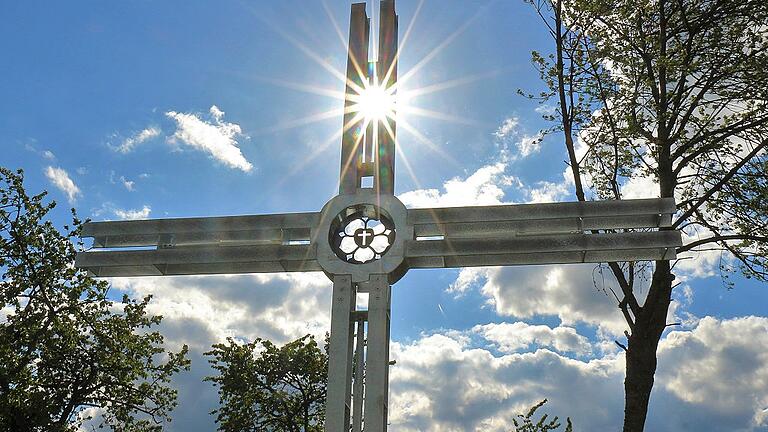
[(361, 234)]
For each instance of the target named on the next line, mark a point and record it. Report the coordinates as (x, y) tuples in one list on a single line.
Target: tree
[(526, 421), (674, 91), (263, 387), (64, 346)]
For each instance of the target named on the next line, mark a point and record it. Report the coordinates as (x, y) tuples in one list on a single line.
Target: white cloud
[(712, 378), (203, 310), (575, 293), (142, 213), (546, 192), (722, 365), (483, 187), (129, 185), (546, 109), (218, 138), (519, 336), (140, 137), (91, 418), (47, 154), (452, 381), (440, 383), (507, 128), (640, 186), (279, 307), (508, 132), (529, 144), (61, 180), (699, 264)]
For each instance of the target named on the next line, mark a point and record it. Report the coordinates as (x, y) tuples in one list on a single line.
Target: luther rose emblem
[(360, 238)]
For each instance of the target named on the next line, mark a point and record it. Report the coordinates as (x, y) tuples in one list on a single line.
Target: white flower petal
[(380, 243), (378, 228), (353, 226), (364, 254), (348, 244)]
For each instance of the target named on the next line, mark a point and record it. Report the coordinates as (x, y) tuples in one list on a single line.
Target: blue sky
[(172, 109)]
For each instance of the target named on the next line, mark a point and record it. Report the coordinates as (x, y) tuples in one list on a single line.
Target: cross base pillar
[(358, 369)]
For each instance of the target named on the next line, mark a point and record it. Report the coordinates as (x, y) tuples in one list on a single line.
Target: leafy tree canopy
[(64, 346), (672, 93), (263, 387)]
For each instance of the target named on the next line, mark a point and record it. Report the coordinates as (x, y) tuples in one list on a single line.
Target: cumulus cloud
[(477, 391), (217, 137), (130, 143), (477, 379), (722, 365), (483, 187), (545, 192), (61, 180), (279, 307), (640, 186), (203, 310), (519, 336), (142, 213), (576, 293), (699, 263), (712, 378)]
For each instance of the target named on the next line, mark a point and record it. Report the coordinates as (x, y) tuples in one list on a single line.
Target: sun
[(375, 103), (377, 108)]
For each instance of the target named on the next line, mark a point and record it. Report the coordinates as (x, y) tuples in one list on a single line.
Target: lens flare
[(375, 103)]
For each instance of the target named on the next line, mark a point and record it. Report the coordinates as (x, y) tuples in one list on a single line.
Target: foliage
[(676, 94), (64, 346), (526, 423), (263, 387)]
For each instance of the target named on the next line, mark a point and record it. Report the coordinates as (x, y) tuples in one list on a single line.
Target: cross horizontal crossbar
[(543, 249), (273, 228), (187, 260), (548, 218), (461, 237)]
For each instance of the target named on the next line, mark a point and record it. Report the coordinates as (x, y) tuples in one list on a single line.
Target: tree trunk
[(641, 349)]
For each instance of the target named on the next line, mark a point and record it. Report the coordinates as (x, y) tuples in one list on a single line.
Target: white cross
[(454, 237), (364, 233)]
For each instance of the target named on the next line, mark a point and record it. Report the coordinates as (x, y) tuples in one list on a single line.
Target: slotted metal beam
[(387, 76), (548, 210), (274, 228), (377, 358), (357, 76), (340, 355), (200, 260), (548, 218), (543, 249)]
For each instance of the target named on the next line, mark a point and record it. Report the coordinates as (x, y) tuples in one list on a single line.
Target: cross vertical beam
[(357, 76), (340, 355), (387, 78), (377, 360), (357, 385)]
